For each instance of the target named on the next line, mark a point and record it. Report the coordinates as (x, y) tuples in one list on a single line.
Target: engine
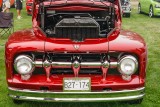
[(77, 28), (78, 25)]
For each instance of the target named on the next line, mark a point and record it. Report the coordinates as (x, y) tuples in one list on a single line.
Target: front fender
[(131, 43), (23, 41)]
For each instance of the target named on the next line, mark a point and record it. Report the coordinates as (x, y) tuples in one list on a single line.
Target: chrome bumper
[(38, 95)]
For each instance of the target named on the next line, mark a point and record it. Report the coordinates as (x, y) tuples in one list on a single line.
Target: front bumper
[(50, 96)]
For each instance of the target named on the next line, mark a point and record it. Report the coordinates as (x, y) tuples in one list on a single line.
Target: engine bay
[(78, 25)]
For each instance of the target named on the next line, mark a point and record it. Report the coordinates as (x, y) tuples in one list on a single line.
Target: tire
[(151, 13), (139, 8), (139, 101), (128, 15), (18, 102)]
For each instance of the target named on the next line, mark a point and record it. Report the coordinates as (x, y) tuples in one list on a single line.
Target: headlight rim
[(29, 58), (128, 57)]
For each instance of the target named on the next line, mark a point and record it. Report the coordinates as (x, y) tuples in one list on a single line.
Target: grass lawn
[(140, 23)]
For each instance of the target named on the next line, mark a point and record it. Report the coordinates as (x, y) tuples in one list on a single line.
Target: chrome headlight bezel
[(28, 60), (131, 58)]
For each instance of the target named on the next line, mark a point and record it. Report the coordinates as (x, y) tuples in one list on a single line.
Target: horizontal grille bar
[(69, 64)]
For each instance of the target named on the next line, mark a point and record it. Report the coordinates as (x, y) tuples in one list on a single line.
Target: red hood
[(66, 4), (97, 45), (27, 40)]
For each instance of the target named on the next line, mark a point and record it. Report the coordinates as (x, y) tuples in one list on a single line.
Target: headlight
[(128, 65), (23, 65), (157, 6)]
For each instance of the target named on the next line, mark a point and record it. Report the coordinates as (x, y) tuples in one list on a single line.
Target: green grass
[(148, 28)]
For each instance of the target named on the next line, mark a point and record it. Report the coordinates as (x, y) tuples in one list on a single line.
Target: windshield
[(157, 0)]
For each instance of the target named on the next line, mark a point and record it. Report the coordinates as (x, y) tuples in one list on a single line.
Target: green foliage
[(147, 27)]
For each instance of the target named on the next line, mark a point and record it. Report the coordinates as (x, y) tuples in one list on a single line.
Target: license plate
[(76, 84)]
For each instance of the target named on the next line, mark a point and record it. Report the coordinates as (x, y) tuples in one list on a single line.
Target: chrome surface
[(69, 64), (96, 92), (38, 63), (39, 95), (113, 64), (77, 99), (128, 57), (105, 64), (91, 64), (76, 64), (24, 57), (61, 64)]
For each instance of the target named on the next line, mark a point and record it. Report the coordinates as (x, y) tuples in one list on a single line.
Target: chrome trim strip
[(127, 98), (69, 64), (63, 64), (38, 63), (91, 64), (51, 92), (113, 64)]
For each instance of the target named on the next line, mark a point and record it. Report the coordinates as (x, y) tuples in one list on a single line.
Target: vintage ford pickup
[(76, 51)]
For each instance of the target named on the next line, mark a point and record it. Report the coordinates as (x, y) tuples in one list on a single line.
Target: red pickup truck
[(76, 51)]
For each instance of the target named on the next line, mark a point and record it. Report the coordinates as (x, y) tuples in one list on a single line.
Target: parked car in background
[(76, 51), (1, 5), (29, 6), (126, 8), (152, 7)]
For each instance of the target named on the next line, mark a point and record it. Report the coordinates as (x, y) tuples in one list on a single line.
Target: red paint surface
[(56, 83), (1, 3)]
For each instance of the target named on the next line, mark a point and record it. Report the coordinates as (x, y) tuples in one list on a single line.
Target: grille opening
[(44, 88), (70, 71), (62, 71), (39, 71), (113, 71), (68, 57), (90, 71), (98, 71), (107, 89)]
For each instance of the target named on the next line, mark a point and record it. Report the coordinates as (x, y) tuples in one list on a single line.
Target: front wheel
[(151, 14), (128, 15), (17, 101), (139, 101)]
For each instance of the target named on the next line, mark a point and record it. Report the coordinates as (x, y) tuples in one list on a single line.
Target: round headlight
[(127, 65), (23, 65)]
